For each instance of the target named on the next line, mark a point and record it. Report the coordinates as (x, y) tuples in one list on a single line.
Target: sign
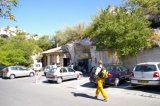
[(84, 55), (108, 55)]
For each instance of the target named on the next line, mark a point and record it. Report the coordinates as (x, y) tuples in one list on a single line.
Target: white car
[(17, 71), (60, 74), (37, 67), (147, 73), (48, 67)]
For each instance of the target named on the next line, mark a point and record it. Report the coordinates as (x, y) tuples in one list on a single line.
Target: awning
[(55, 50)]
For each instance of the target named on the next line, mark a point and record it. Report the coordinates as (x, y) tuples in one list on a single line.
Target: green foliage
[(17, 51), (44, 43), (147, 6), (6, 6), (3, 41), (70, 34), (119, 30)]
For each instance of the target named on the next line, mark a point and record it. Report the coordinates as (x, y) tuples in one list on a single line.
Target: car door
[(120, 73), (71, 73), (126, 71), (24, 71), (64, 73), (17, 71)]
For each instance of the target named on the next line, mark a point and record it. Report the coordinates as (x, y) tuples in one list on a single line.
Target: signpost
[(36, 77)]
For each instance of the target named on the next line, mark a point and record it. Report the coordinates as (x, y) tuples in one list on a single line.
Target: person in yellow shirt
[(100, 82)]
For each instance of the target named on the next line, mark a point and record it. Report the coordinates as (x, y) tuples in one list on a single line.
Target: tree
[(151, 8), (119, 31), (17, 51), (44, 43), (3, 41), (147, 6), (6, 6), (70, 34)]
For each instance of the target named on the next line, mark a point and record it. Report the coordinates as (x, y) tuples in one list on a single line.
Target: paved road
[(25, 92)]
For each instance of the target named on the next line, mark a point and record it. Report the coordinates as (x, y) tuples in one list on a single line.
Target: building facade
[(81, 53)]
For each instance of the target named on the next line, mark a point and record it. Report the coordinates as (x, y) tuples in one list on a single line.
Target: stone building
[(81, 53)]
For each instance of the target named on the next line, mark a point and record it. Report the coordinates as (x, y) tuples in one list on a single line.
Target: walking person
[(100, 82), (72, 65)]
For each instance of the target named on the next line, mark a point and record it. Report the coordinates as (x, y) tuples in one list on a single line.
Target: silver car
[(60, 74), (48, 67), (17, 71), (146, 74)]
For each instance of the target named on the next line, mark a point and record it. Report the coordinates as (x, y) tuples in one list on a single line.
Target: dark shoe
[(105, 100)]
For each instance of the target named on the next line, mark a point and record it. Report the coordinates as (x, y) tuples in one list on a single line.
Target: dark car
[(117, 73), (1, 70)]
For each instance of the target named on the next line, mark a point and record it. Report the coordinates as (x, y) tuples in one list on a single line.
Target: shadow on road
[(143, 88), (148, 89), (83, 95)]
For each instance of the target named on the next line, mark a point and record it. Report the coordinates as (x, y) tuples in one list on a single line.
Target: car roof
[(149, 63)]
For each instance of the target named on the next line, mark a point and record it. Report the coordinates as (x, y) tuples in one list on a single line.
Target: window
[(145, 68), (118, 69), (63, 70), (109, 68), (70, 70), (52, 70), (123, 68)]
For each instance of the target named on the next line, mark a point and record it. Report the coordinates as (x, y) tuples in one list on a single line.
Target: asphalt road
[(26, 92)]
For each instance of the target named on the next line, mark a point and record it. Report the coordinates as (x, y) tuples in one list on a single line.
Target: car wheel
[(116, 82), (59, 80), (31, 74), (12, 76)]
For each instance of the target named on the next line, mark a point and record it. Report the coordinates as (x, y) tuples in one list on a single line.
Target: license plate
[(143, 81), (49, 75)]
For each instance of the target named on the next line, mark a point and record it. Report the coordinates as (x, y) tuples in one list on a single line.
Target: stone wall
[(152, 55)]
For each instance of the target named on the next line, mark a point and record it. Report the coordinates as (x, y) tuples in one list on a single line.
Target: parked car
[(1, 70), (17, 71), (147, 73), (117, 74), (37, 67), (59, 74), (48, 67)]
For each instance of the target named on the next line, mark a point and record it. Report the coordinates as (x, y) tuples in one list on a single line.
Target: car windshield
[(52, 70), (109, 68), (47, 67), (145, 68)]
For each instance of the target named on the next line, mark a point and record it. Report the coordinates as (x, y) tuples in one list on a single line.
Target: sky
[(45, 17)]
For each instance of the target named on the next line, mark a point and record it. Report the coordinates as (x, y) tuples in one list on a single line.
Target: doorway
[(66, 61)]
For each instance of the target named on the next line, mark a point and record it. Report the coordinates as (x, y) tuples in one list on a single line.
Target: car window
[(109, 68), (70, 70), (37, 65), (145, 68), (52, 70), (47, 67), (23, 68), (119, 69), (123, 68), (14, 68), (63, 70), (4, 69)]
